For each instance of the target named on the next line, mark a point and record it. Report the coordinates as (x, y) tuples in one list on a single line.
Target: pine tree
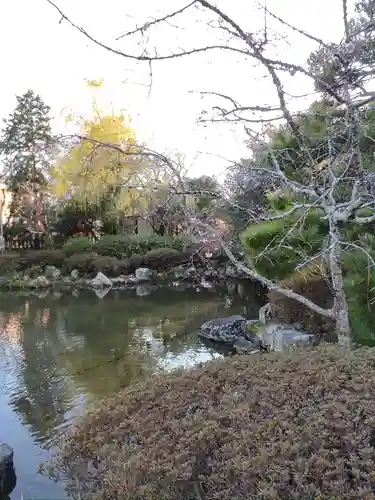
[(26, 145)]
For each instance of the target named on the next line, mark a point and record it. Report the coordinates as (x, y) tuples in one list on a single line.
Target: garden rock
[(52, 272), (280, 337), (40, 282), (183, 272), (226, 330), (8, 478), (124, 280), (101, 281), (74, 274), (244, 346), (143, 274)]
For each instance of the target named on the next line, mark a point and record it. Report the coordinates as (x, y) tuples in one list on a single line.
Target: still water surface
[(59, 354)]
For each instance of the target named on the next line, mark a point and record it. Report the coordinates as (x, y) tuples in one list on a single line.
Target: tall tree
[(26, 146), (101, 165)]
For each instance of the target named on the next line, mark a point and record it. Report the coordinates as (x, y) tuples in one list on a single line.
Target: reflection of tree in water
[(42, 398), (91, 346)]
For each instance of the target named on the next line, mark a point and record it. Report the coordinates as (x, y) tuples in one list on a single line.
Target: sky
[(54, 60)]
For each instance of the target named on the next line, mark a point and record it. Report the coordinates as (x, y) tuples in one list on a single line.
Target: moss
[(253, 327), (18, 284), (297, 426)]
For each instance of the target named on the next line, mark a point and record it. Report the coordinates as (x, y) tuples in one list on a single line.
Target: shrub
[(80, 244), (9, 262), (122, 246), (90, 264), (110, 266), (162, 258), (41, 258), (134, 262), (285, 426), (84, 263)]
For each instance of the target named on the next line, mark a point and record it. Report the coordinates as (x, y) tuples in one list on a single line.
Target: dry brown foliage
[(317, 289), (274, 426)]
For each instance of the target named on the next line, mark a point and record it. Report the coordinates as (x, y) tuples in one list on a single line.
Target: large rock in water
[(279, 337), (40, 282), (224, 329), (101, 281), (143, 274), (8, 478)]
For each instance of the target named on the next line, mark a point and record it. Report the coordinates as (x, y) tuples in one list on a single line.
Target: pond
[(60, 353)]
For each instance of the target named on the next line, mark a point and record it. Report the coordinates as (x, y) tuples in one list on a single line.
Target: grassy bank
[(283, 426)]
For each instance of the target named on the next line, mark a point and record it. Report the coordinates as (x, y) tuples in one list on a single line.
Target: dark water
[(59, 354)]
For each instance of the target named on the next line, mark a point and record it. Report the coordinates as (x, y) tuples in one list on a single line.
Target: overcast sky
[(54, 59)]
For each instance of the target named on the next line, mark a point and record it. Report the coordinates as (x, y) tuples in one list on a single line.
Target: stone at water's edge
[(100, 281), (40, 282), (244, 346), (143, 274), (8, 478), (279, 336), (224, 329), (74, 274), (52, 272)]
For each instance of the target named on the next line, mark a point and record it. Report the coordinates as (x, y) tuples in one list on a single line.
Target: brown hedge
[(316, 288), (274, 426)]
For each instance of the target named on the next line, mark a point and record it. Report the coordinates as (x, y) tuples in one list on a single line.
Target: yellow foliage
[(106, 158), (95, 84)]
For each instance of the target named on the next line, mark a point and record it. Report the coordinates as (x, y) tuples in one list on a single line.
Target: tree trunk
[(340, 304)]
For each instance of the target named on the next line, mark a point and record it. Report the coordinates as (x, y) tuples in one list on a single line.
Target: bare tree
[(337, 181)]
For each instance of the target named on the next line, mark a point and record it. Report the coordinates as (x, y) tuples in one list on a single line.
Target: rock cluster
[(237, 331)]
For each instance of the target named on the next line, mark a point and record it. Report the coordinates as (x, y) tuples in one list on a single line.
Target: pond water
[(59, 354)]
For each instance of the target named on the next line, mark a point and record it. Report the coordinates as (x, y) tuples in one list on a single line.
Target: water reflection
[(58, 356)]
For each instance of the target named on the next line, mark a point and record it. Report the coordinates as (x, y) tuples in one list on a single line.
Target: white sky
[(54, 59)]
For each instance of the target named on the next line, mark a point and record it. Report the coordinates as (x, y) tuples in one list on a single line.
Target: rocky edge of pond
[(52, 277), (295, 425)]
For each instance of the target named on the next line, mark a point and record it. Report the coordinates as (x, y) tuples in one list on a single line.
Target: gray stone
[(253, 338), (120, 280), (40, 282), (179, 272), (280, 337), (124, 280), (52, 272), (74, 274), (244, 346), (8, 478), (183, 272), (226, 330), (143, 274), (101, 281)]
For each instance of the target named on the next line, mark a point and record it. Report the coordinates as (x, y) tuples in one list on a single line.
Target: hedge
[(127, 245), (285, 426)]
